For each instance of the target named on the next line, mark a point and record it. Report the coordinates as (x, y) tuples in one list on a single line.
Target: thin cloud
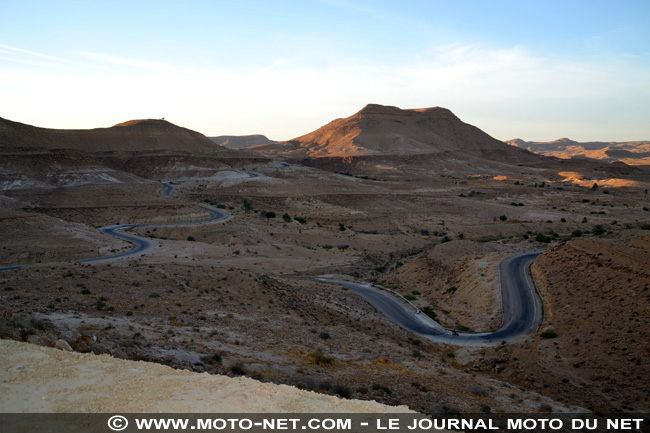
[(498, 88), (144, 65), (27, 57)]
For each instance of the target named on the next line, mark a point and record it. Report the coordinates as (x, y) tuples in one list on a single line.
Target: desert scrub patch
[(319, 358), (432, 314), (549, 333), (215, 358), (381, 388), (387, 364)]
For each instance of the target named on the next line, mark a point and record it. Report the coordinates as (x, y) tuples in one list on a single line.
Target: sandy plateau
[(236, 298)]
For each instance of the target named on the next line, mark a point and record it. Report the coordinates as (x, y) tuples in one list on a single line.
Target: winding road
[(141, 244), (521, 305)]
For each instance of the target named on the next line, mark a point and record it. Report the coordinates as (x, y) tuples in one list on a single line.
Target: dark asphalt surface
[(140, 244), (522, 308)]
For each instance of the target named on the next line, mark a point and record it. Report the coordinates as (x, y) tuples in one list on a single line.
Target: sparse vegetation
[(598, 230), (319, 358), (549, 333)]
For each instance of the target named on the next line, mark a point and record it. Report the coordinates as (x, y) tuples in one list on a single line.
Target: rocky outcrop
[(49, 380), (241, 141)]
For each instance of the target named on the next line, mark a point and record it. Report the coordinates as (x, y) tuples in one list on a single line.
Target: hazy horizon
[(529, 70)]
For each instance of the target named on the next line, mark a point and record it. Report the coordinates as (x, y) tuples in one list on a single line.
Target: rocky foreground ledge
[(42, 379)]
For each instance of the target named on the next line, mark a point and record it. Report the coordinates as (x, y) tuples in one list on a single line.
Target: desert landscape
[(414, 202)]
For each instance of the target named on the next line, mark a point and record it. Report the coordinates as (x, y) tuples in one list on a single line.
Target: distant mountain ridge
[(629, 152), (378, 130), (241, 141), (133, 135)]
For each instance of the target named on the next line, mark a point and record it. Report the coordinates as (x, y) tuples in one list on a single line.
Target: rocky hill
[(134, 135), (629, 152), (241, 141), (596, 310), (379, 130)]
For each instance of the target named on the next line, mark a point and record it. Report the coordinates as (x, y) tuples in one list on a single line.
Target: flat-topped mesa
[(389, 110), (145, 122), (387, 130)]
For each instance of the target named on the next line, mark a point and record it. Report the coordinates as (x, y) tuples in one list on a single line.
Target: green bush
[(321, 359), (598, 230), (410, 297), (286, 217), (549, 333), (541, 237), (191, 238), (429, 312), (301, 220)]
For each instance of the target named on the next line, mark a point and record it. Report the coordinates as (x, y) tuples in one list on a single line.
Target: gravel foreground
[(42, 379)]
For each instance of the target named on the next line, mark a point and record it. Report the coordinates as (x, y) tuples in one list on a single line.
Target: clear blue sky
[(538, 70)]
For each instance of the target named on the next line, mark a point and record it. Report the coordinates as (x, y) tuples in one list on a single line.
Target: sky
[(531, 69)]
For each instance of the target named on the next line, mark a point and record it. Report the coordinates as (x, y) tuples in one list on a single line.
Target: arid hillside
[(241, 141), (629, 152), (596, 321), (385, 130), (238, 297), (50, 380), (134, 135)]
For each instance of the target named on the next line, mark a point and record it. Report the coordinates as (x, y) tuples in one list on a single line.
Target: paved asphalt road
[(141, 244), (522, 308)]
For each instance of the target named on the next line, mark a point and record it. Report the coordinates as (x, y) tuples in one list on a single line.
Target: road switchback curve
[(521, 307)]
